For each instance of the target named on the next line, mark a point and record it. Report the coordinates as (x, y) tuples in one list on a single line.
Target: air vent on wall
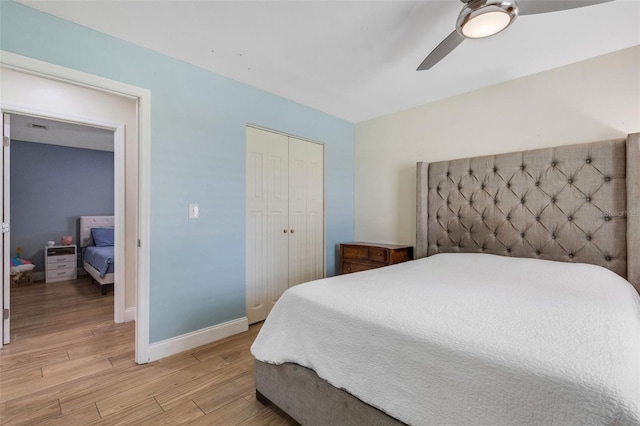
[(38, 126)]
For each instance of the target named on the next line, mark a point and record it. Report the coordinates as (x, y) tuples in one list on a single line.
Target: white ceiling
[(40, 130), (354, 59)]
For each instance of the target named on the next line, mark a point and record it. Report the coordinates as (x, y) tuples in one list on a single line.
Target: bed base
[(310, 400), (102, 281)]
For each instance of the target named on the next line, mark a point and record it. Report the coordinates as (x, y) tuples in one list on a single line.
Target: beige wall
[(584, 102), (20, 90)]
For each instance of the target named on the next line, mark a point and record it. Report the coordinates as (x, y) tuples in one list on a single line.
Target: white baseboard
[(130, 314), (196, 338)]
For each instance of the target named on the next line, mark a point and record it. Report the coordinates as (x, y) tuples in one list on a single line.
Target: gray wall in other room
[(51, 187)]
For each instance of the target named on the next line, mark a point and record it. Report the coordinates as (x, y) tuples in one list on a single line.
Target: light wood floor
[(69, 364)]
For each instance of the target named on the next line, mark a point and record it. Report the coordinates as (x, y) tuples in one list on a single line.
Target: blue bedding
[(100, 258)]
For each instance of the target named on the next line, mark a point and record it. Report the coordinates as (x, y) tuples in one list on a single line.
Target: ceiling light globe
[(486, 25), (484, 18)]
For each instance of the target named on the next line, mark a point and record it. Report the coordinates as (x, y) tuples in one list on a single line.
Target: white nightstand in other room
[(60, 263)]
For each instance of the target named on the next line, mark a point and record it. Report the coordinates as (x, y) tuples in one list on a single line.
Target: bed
[(522, 307), (97, 243)]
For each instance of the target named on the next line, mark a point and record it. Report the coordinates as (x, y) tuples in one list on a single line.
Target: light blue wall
[(198, 123), (51, 187)]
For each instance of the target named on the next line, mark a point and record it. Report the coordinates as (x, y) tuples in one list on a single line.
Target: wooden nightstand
[(356, 257)]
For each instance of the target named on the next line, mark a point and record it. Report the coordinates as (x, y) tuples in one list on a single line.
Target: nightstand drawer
[(60, 259), (347, 267), (60, 265), (61, 275), (355, 252), (379, 255)]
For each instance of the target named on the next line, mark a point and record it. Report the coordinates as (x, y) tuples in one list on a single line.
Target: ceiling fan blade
[(533, 7), (443, 49)]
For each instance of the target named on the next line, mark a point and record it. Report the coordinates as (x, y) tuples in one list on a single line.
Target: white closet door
[(306, 201), (267, 230), (315, 211)]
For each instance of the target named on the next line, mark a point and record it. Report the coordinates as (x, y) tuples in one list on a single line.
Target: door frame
[(143, 99), (5, 259)]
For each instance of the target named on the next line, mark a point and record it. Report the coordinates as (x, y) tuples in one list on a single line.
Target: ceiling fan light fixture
[(484, 18)]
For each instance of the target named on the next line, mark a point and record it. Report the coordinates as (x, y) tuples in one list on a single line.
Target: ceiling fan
[(484, 18)]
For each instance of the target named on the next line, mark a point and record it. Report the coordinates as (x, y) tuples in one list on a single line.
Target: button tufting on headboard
[(88, 222), (557, 203)]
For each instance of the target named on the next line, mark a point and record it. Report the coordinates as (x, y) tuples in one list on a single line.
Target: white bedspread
[(470, 339)]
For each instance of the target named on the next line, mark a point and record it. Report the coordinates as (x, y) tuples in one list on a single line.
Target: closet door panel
[(278, 217), (298, 253), (306, 205), (315, 211), (256, 231), (267, 210)]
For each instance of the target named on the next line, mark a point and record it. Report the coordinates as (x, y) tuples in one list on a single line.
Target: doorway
[(59, 172), (44, 90)]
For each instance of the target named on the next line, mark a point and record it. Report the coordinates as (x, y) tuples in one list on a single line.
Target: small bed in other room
[(97, 242)]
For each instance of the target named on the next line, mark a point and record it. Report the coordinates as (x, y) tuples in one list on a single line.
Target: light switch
[(194, 211)]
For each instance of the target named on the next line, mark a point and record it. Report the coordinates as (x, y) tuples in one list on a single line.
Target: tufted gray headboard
[(576, 203)]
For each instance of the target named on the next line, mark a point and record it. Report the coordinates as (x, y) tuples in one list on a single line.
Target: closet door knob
[(292, 231), (284, 230)]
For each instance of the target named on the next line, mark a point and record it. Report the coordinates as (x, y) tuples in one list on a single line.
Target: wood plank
[(215, 398), (151, 388), (74, 387), (232, 413), (184, 413), (31, 412), (204, 383), (83, 416), (132, 415), (120, 381), (26, 372), (123, 359), (39, 358), (74, 368), (105, 348), (53, 375)]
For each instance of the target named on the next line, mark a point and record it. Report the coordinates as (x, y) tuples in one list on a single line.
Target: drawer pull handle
[(61, 273)]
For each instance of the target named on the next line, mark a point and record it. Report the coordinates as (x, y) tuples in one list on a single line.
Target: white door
[(306, 206), (267, 222), (285, 219), (4, 184)]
